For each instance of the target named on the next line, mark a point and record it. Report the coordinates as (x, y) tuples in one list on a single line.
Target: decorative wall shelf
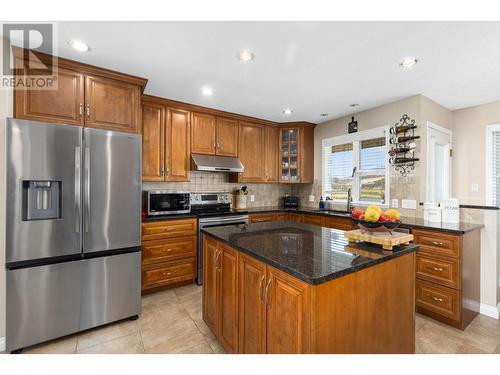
[(403, 137)]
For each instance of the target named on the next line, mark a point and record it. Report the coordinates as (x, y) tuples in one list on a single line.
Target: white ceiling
[(311, 67)]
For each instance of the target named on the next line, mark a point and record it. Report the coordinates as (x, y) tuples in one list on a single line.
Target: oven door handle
[(212, 220)]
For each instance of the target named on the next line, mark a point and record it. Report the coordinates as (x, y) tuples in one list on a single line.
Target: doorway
[(438, 163)]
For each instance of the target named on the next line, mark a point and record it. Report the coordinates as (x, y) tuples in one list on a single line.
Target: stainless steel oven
[(166, 202), (213, 209)]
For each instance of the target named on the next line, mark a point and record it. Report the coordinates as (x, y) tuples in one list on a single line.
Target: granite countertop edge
[(322, 279), (406, 222)]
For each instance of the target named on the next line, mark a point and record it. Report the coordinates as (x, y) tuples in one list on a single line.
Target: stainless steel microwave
[(166, 202)]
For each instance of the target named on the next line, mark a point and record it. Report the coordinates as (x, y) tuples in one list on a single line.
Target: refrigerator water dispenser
[(41, 200)]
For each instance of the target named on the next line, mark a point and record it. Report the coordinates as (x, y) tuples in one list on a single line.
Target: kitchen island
[(286, 287)]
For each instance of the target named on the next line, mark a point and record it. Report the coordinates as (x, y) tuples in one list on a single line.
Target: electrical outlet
[(395, 203), (410, 204), (312, 198), (474, 188), (252, 198)]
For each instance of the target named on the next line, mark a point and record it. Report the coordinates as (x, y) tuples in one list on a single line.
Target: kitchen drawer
[(339, 223), (442, 271), (168, 249), (156, 230), (314, 220), (437, 243), (438, 299), (282, 216), (161, 274), (261, 218)]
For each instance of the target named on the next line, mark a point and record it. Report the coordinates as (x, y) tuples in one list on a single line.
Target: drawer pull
[(167, 273), (167, 250), (437, 269), (169, 229), (438, 243), (435, 298)]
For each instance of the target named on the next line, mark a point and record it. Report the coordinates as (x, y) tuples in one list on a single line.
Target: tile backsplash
[(265, 194)]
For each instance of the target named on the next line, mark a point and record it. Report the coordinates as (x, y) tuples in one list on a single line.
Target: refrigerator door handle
[(77, 187), (87, 188)]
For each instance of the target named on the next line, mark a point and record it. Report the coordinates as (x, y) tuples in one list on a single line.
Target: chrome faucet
[(349, 201)]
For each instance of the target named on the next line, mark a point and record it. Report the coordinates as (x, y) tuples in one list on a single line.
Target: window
[(493, 165), (358, 162)]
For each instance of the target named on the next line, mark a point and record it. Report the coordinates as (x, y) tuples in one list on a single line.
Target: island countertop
[(311, 253)]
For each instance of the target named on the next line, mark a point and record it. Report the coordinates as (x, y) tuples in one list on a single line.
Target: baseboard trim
[(2, 344), (491, 311)]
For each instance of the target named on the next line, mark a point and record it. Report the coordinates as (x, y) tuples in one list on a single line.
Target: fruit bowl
[(377, 226)]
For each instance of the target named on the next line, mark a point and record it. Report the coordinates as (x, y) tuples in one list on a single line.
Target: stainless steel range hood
[(214, 163)]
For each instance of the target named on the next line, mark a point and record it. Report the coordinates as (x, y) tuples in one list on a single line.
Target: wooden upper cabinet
[(227, 137), (112, 104), (178, 140), (271, 154), (251, 145), (64, 105), (153, 142), (296, 154), (252, 310), (203, 134), (288, 314)]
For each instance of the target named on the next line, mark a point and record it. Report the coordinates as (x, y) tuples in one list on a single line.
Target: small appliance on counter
[(432, 212), (166, 202), (450, 210), (290, 202)]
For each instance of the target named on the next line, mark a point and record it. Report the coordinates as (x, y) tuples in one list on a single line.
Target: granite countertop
[(409, 222), (311, 253)]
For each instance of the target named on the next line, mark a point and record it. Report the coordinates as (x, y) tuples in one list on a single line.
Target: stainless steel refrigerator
[(72, 229)]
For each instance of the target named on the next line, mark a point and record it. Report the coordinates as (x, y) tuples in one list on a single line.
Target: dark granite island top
[(311, 253)]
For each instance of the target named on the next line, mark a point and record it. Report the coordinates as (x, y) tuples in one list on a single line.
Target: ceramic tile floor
[(171, 322)]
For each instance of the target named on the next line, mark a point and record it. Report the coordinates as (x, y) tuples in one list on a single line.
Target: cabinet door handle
[(260, 288), (266, 298), (437, 243), (435, 298), (81, 109), (87, 110), (167, 273), (162, 171), (437, 269)]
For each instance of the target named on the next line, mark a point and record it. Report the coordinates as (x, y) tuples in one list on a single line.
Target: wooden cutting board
[(386, 239)]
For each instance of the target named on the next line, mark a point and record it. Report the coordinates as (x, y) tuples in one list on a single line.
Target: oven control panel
[(210, 198)]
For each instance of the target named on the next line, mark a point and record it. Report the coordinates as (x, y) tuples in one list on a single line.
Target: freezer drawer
[(42, 303), (111, 289)]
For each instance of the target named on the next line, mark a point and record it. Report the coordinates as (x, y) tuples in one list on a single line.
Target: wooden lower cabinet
[(169, 253), (314, 220), (254, 308), (448, 276), (220, 292), (288, 313)]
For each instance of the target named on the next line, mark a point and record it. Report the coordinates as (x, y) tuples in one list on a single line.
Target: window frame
[(355, 139), (490, 129)]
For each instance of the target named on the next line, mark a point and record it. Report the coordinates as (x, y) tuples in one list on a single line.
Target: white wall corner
[(491, 311), (2, 344)]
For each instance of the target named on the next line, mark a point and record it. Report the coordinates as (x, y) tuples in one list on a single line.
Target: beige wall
[(469, 159)]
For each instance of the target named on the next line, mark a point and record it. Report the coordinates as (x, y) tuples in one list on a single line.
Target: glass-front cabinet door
[(289, 151)]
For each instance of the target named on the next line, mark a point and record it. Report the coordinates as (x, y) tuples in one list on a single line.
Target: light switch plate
[(395, 203), (410, 204), (252, 198), (474, 188), (312, 198)]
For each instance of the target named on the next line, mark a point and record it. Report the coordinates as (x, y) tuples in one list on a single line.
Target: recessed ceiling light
[(287, 111), (245, 55), (353, 105), (408, 63), (207, 91), (79, 45), (323, 114)]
